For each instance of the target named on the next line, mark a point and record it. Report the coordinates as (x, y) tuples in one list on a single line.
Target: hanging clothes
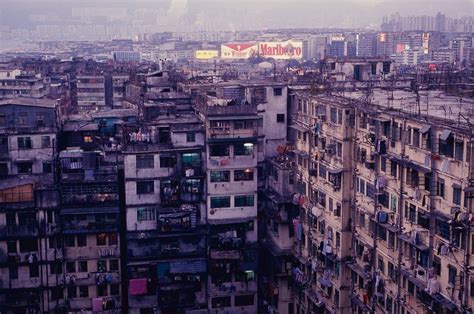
[(97, 304), (138, 286)]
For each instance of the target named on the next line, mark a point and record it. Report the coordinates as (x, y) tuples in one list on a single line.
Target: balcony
[(229, 109), (30, 230), (93, 176), (234, 287), (89, 227)]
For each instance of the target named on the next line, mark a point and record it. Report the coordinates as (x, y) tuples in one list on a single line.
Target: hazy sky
[(240, 14)]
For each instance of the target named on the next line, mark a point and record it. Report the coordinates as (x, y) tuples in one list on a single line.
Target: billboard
[(238, 50), (206, 54), (281, 50)]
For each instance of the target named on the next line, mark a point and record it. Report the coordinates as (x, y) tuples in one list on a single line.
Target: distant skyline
[(183, 15)]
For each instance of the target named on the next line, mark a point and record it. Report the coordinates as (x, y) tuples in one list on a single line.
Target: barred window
[(244, 201), (145, 162), (146, 214)]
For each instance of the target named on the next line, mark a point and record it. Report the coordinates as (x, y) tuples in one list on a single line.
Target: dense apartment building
[(118, 89), (90, 91), (16, 83), (89, 239), (165, 212), (29, 203), (385, 207), (244, 122)]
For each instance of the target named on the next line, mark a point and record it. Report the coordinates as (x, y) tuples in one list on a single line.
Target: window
[(101, 239), (113, 239), (220, 302), (416, 138), (333, 114), (244, 300), (146, 214), (113, 265), (220, 201), (391, 270), (70, 267), (167, 161), (24, 142), (243, 175), (34, 270), (219, 150), (81, 240), (57, 293), (220, 176), (45, 142), (280, 117), (459, 150), (362, 220), (437, 265), (82, 266), (24, 167), (40, 118), (145, 161), (55, 268), (2, 119), (245, 149), (457, 195), (69, 241), (145, 187), (190, 137), (452, 273), (277, 91), (244, 201), (47, 167), (101, 266), (381, 265), (13, 272), (27, 245), (83, 291), (114, 289), (71, 292), (442, 229), (440, 188), (11, 247), (22, 118)]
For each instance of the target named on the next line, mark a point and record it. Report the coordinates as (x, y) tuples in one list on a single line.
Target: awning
[(389, 227), (225, 254), (409, 275), (425, 128), (70, 154), (406, 238), (298, 128), (417, 167), (188, 267), (90, 210), (445, 134), (358, 270), (334, 171), (230, 221), (363, 307), (224, 140), (445, 303)]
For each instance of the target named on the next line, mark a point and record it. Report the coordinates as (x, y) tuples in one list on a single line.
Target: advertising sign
[(238, 50), (206, 54), (281, 50)]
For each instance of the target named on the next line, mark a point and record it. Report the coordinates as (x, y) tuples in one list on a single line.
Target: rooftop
[(25, 101)]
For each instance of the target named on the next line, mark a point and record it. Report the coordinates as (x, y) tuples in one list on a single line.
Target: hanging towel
[(97, 304), (138, 286)]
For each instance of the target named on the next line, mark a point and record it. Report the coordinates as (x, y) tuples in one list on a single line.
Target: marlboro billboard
[(281, 50), (238, 50)]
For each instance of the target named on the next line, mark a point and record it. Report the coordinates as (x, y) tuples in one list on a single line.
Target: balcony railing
[(19, 231)]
